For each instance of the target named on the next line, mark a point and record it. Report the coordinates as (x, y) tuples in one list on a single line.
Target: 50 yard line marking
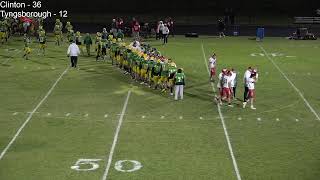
[(235, 165), (31, 114), (290, 82), (116, 135)]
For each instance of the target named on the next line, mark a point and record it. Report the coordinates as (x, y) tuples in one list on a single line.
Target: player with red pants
[(251, 93), (219, 85), (212, 66), (226, 87)]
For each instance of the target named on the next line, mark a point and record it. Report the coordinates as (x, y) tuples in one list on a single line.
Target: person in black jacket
[(221, 28)]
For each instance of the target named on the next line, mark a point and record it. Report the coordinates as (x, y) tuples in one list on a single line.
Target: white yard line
[(115, 139), (5, 61), (31, 114), (291, 83), (235, 165)]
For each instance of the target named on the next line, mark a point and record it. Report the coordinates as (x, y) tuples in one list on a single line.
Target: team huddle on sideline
[(227, 84), (147, 66)]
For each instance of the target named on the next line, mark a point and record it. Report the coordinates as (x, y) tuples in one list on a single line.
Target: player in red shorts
[(251, 93), (219, 85), (226, 87), (212, 66)]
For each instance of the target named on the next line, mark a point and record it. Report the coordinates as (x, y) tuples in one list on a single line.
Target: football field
[(95, 123)]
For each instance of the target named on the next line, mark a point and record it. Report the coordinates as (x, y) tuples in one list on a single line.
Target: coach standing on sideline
[(179, 78), (73, 52)]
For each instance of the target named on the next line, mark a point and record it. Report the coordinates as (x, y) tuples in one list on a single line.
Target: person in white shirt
[(251, 91), (73, 52), (165, 32), (160, 27), (212, 66), (233, 82), (246, 76)]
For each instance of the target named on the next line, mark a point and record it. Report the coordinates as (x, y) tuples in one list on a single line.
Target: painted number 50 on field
[(92, 164)]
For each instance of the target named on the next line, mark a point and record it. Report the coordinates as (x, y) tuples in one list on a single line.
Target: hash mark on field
[(294, 73), (39, 68), (291, 83), (200, 117), (239, 118), (143, 117), (180, 117), (309, 74), (68, 114), (106, 115), (31, 114), (24, 67), (15, 113), (277, 119), (259, 119), (49, 114), (162, 117), (86, 115), (53, 68), (297, 120)]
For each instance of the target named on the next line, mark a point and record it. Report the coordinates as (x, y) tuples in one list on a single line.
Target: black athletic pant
[(245, 94), (234, 91), (74, 61), (165, 38)]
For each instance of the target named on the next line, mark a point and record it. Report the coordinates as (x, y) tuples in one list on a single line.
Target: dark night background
[(193, 15), (203, 7)]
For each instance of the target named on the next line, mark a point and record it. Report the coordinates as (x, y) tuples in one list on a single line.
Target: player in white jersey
[(233, 82), (251, 91), (246, 76), (226, 87), (212, 66)]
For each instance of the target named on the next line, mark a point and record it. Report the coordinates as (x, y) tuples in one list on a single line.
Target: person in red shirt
[(136, 30)]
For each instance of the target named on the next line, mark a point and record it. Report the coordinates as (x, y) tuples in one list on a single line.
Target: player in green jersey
[(42, 41), (27, 49)]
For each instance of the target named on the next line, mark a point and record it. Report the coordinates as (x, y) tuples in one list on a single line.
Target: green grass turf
[(172, 140)]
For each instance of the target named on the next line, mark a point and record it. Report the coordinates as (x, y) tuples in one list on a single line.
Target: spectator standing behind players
[(114, 27), (87, 42), (179, 84), (158, 30), (73, 52), (221, 28), (170, 26), (136, 30), (165, 33), (212, 66)]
